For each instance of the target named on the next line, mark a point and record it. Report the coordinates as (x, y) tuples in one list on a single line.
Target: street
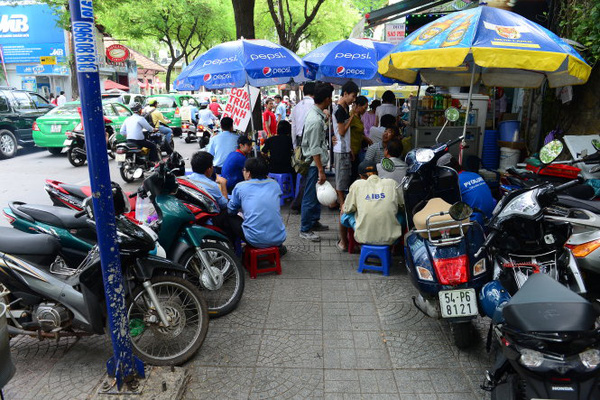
[(319, 330)]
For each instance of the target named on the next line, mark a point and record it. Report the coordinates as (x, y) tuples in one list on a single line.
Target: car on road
[(168, 105), (50, 130), (18, 112), (124, 98)]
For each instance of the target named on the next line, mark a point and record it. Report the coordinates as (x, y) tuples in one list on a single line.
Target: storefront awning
[(400, 9), (108, 85)]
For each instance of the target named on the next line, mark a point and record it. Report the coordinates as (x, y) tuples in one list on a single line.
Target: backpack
[(148, 117), (301, 163)]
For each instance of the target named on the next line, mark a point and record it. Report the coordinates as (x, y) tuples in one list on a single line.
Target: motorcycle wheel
[(127, 169), (226, 295), (462, 334), (112, 146), (183, 304), (187, 139), (76, 159), (507, 390)]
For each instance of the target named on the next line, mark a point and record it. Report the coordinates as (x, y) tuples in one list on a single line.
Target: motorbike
[(441, 243), (524, 241), (168, 318), (133, 161), (75, 143), (183, 233), (189, 129), (204, 135), (547, 344)]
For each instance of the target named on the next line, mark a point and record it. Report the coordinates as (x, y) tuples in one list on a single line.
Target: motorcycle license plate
[(458, 303), (121, 157), (56, 129), (67, 142)]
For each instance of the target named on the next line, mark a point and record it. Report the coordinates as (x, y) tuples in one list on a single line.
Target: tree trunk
[(169, 71), (243, 10)]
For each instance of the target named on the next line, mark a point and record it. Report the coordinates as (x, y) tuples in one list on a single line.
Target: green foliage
[(366, 6), (578, 21), (334, 21)]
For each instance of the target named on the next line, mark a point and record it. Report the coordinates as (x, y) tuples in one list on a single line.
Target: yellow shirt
[(157, 118), (375, 202)]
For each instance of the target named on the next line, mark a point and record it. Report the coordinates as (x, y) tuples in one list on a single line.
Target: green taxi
[(168, 105), (50, 130)]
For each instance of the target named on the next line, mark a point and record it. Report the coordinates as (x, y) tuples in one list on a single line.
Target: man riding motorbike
[(160, 123), (133, 129)]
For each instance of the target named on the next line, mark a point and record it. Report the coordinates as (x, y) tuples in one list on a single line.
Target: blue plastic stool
[(381, 252), (298, 185), (286, 183)]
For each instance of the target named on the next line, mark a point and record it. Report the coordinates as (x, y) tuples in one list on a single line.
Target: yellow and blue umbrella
[(498, 47)]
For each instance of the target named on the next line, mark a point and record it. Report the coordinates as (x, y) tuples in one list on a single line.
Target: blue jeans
[(311, 208)]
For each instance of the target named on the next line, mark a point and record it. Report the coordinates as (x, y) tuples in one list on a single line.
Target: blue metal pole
[(123, 365)]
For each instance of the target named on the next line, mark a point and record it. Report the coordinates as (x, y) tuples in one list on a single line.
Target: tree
[(339, 16), (181, 26), (243, 11), (290, 30)]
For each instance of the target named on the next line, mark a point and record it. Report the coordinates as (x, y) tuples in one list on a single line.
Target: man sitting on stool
[(258, 199), (375, 203)]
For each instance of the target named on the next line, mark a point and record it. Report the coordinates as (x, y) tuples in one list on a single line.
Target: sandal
[(340, 247)]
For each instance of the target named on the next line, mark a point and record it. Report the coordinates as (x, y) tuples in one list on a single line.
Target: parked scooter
[(441, 243), (168, 317), (181, 223), (522, 241), (75, 143), (547, 344)]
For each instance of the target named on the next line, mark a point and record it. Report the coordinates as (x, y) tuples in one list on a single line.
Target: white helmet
[(326, 194)]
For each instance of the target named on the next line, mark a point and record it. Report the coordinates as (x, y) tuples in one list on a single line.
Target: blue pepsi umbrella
[(235, 64), (350, 59)]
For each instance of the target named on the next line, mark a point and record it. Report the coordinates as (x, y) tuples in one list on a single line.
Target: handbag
[(300, 163)]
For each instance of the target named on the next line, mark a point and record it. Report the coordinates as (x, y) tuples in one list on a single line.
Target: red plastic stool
[(352, 243), (252, 256)]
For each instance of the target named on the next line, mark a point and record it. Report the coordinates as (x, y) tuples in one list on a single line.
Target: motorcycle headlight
[(531, 358), (479, 267), (590, 358), (525, 204)]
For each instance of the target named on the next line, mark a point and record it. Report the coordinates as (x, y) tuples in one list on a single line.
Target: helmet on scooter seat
[(176, 164)]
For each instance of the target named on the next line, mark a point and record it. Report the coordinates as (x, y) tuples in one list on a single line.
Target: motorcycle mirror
[(424, 155), (138, 173), (551, 151), (88, 207), (460, 211), (596, 144), (452, 114)]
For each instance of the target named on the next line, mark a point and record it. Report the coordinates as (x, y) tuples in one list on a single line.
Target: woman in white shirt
[(388, 106)]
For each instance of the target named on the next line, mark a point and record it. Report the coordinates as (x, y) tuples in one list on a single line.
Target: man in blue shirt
[(280, 109), (474, 191), (202, 165), (258, 199), (223, 143), (234, 163)]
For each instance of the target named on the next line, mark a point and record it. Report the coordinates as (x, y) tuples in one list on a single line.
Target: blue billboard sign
[(28, 32), (42, 70)]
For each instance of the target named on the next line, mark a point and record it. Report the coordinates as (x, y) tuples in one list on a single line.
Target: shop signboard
[(36, 70), (29, 83), (48, 60), (29, 31), (394, 33), (238, 106)]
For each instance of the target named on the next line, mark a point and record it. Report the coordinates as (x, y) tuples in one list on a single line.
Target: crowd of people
[(367, 149)]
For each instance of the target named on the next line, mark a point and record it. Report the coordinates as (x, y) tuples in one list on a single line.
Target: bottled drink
[(456, 35), (435, 29)]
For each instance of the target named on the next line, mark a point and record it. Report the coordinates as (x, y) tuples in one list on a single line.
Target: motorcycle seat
[(16, 242), (544, 305), (435, 206), (56, 216), (572, 202), (77, 190)]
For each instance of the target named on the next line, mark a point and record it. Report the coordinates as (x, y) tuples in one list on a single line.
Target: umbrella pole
[(254, 138), (463, 142)]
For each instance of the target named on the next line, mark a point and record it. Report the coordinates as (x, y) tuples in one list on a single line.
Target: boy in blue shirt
[(258, 198), (223, 143), (234, 163)]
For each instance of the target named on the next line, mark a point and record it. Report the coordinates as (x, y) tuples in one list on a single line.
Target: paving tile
[(420, 349), (349, 316), (287, 383), (295, 315), (433, 383), (225, 347), (355, 350), (403, 315), (297, 290), (219, 383), (249, 313), (301, 349)]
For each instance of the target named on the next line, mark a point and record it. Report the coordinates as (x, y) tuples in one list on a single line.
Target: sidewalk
[(319, 330)]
